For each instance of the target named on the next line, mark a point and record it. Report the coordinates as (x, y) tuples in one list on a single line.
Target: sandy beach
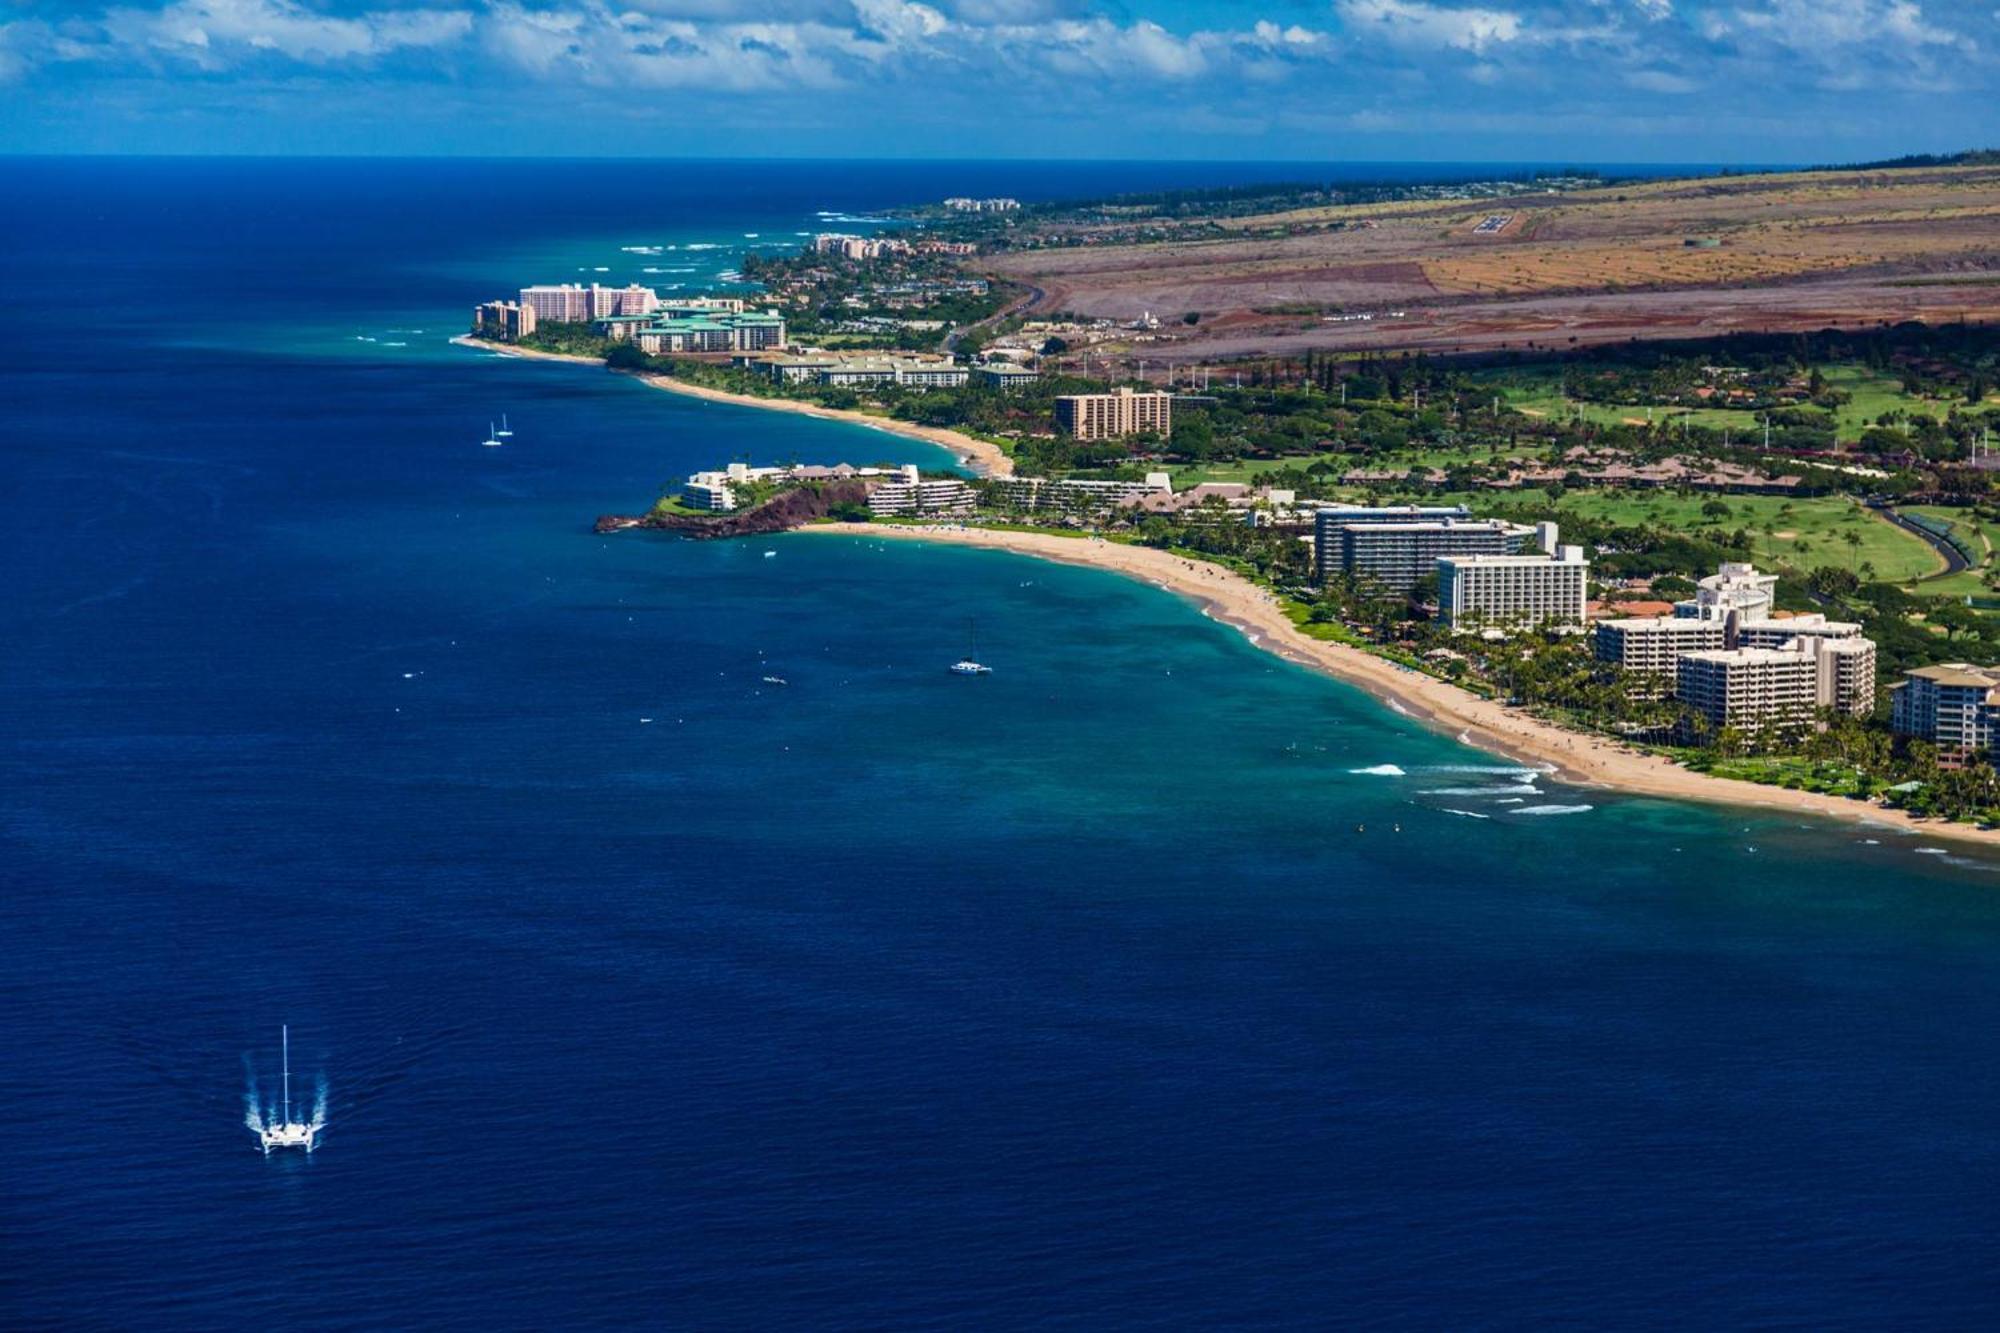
[(981, 456), (1577, 758)]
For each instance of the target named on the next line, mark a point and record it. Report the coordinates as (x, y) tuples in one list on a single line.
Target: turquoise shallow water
[(648, 994)]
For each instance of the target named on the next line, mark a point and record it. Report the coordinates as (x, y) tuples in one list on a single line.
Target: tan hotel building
[(1108, 416)]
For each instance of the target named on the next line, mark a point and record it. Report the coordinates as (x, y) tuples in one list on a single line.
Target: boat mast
[(288, 1074)]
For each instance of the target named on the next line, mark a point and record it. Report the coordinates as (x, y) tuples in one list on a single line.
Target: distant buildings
[(1078, 497), (508, 321), (962, 204), (1955, 706), (863, 370), (686, 327), (1110, 416), (635, 314), (1546, 590), (1004, 375), (867, 247), (569, 303)]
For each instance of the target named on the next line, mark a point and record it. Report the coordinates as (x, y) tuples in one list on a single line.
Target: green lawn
[(1871, 395)]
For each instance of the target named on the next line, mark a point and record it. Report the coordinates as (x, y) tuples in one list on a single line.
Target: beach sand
[(981, 456), (1577, 758)]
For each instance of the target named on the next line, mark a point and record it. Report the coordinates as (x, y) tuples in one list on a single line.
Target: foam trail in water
[(1469, 814), (319, 1103), (1550, 810), (253, 1109), (1379, 771)]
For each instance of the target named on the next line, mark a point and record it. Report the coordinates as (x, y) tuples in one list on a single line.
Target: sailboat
[(492, 440), (969, 665), (286, 1132), (505, 430)]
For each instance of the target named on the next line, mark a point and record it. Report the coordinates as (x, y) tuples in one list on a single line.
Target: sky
[(1760, 81)]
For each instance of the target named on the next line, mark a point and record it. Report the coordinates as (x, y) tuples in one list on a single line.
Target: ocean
[(1147, 982)]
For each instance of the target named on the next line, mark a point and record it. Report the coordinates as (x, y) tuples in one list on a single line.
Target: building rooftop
[(1747, 656), (1958, 673)]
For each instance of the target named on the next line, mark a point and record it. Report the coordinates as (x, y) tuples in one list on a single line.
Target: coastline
[(983, 457), (1577, 758)]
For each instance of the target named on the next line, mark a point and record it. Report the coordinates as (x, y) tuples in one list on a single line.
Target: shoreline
[(981, 456), (1578, 759)]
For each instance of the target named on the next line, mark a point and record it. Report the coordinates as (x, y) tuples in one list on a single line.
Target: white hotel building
[(1548, 590)]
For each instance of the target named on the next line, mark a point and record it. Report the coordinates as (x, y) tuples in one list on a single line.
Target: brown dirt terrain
[(1686, 258)]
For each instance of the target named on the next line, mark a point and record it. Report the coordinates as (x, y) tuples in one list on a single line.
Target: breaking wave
[(1379, 771), (1551, 810)]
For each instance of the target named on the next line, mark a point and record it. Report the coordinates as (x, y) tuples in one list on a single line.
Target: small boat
[(505, 430), (286, 1132), (492, 440), (770, 555)]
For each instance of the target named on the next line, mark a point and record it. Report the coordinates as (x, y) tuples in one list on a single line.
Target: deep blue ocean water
[(1110, 990)]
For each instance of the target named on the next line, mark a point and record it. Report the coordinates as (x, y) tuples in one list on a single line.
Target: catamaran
[(286, 1132), (492, 440), (505, 430)]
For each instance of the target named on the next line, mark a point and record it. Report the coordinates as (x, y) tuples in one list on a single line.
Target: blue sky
[(1582, 80)]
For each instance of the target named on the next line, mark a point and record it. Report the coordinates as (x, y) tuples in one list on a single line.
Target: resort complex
[(1715, 550)]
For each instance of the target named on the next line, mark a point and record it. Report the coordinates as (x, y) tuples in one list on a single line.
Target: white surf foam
[(1551, 810), (1469, 814), (1379, 771)]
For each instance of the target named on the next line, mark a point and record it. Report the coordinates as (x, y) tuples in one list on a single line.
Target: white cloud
[(1412, 23), (205, 30)]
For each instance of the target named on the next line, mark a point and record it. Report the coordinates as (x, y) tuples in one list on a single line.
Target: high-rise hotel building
[(1110, 416), (1548, 590)]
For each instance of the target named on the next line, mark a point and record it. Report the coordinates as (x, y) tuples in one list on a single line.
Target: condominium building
[(1846, 673), (1777, 633), (508, 320), (1781, 687), (1517, 591), (858, 247), (632, 300), (1110, 416), (1655, 644), (719, 331), (570, 303), (1750, 689), (961, 204), (1955, 706)]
